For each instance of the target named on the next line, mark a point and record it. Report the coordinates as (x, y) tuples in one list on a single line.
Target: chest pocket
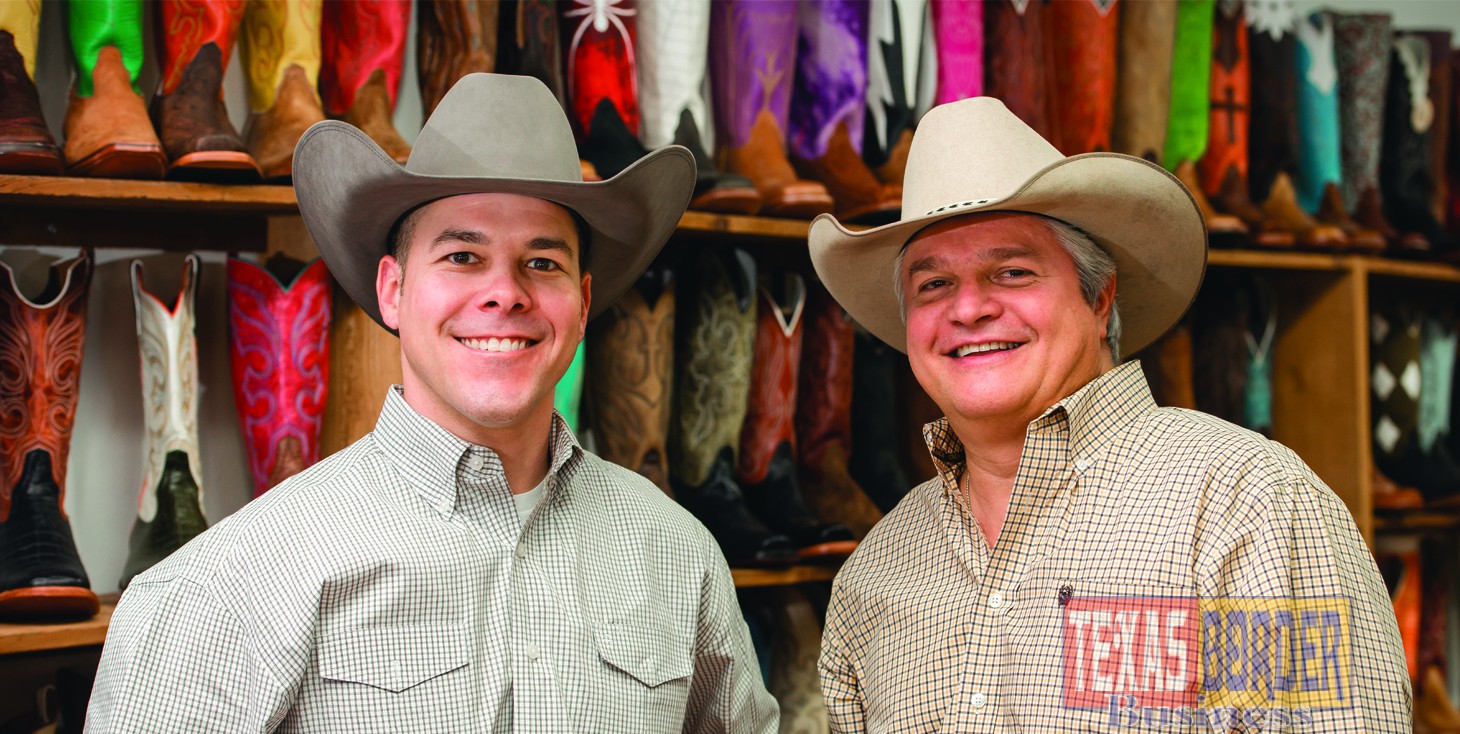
[(650, 655), (396, 658)]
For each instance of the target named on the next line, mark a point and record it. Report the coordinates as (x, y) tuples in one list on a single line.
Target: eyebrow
[(996, 254), (474, 237)]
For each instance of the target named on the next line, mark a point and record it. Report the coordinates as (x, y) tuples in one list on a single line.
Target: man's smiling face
[(490, 311), (997, 327)]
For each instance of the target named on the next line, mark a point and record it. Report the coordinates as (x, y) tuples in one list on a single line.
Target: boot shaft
[(1143, 88), (1187, 128), (1405, 168), (1082, 38), (22, 20), (753, 59), (532, 45), (456, 38), (598, 37), (358, 38), (824, 395), (188, 26), (894, 58), (1362, 49), (630, 376), (280, 359), (168, 346), (1320, 158), (1014, 57), (1230, 100), (1273, 131), (99, 24), (958, 28), (673, 55), (770, 415), (41, 344), (831, 76), (277, 35)]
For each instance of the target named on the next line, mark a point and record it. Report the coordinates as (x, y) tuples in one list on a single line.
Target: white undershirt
[(529, 500)]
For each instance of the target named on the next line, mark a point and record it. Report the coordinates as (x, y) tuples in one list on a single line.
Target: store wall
[(105, 469)]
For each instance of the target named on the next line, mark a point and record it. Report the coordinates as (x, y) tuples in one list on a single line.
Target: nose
[(504, 289), (975, 302)]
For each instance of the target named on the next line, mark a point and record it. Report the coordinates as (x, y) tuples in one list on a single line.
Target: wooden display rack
[(1320, 375)]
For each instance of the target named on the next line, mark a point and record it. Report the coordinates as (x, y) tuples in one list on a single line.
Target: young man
[(466, 566), (1084, 560)]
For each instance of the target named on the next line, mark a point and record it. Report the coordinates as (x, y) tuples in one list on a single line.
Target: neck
[(523, 447), (991, 452)]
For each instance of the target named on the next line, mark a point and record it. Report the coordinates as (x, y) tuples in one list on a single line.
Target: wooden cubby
[(1321, 401)]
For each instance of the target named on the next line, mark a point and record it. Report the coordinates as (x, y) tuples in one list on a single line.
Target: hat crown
[(497, 126), (969, 153)]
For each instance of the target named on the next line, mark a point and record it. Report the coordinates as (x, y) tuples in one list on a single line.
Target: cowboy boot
[(1283, 209), (188, 111), (1361, 49), (827, 111), (603, 100), (1219, 339), (1395, 382), (630, 371), (364, 48), (1223, 167), (108, 133), (1168, 368), (1434, 468), (568, 393), (1388, 495), (281, 53), (1434, 713), (767, 468), (1258, 334), (278, 318), (1441, 92), (875, 465), (1272, 139), (753, 52), (894, 64), (714, 343), (1082, 39), (170, 505), (1188, 122), (1143, 86), (958, 29), (26, 145), (796, 644), (1452, 160), (41, 576), (528, 37), (1399, 563), (824, 418), (1405, 169), (673, 56), (456, 38), (1014, 59)]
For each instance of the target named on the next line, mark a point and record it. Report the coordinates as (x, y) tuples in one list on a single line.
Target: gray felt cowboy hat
[(492, 133), (975, 155)]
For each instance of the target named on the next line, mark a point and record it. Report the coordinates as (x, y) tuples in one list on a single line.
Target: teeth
[(986, 347), (495, 345)]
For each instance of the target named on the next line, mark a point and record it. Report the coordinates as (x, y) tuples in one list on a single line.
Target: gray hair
[(1093, 264)]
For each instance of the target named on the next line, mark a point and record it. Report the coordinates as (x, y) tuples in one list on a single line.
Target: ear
[(587, 302), (387, 291), (1103, 303)]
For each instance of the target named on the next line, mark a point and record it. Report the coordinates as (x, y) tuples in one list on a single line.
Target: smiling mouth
[(496, 345), (985, 348)]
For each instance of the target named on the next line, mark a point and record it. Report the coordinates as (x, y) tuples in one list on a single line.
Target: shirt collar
[(1094, 414), (431, 457)]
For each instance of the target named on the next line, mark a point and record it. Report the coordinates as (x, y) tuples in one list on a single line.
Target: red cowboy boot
[(1434, 712), (530, 47), (895, 76), (1399, 563), (26, 145), (827, 111), (767, 469), (1143, 88), (824, 420), (41, 576), (192, 123), (364, 48), (602, 82), (753, 57), (630, 374), (107, 130), (1014, 58), (279, 318), (1081, 38), (281, 55), (1223, 167)]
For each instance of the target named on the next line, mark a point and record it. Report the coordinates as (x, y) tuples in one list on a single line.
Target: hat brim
[(1135, 210), (351, 193)]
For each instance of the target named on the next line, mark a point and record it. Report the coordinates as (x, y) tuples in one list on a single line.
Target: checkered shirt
[(392, 588), (929, 629)]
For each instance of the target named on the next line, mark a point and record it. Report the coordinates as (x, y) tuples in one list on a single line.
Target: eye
[(461, 258), (931, 284), (1016, 273), (543, 263)]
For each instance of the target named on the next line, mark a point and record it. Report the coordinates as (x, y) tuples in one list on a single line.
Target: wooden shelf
[(1418, 521), (1411, 269), (115, 193), (15, 638), (1279, 260), (749, 577)]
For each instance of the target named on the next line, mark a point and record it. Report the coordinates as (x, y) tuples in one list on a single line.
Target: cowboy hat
[(974, 155), (491, 133)]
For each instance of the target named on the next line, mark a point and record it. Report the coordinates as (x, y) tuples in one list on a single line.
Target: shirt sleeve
[(839, 686), (727, 693), (1295, 539), (176, 659)]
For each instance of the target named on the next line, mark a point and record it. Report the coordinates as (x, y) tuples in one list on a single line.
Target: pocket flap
[(393, 658), (650, 654)]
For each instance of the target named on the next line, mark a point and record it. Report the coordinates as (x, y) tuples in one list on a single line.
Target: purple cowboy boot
[(827, 111)]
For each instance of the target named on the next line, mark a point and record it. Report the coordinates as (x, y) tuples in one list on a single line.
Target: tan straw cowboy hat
[(974, 155), (492, 133)]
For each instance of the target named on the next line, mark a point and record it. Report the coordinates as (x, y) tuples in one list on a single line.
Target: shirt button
[(532, 652), (978, 700), (996, 600), (476, 463), (521, 551), (1081, 465)]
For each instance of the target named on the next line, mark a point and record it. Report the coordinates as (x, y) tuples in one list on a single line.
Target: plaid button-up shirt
[(930, 629), (392, 588)]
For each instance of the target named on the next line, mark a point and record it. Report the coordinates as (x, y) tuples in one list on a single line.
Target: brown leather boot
[(1434, 712), (1332, 211), (763, 160), (1143, 81), (26, 145), (108, 134), (1224, 229), (1388, 495), (892, 171), (193, 125), (455, 38), (1282, 207), (371, 113), (273, 133), (859, 196)]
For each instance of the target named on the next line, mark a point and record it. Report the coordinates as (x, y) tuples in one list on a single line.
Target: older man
[(466, 566), (1084, 560)]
